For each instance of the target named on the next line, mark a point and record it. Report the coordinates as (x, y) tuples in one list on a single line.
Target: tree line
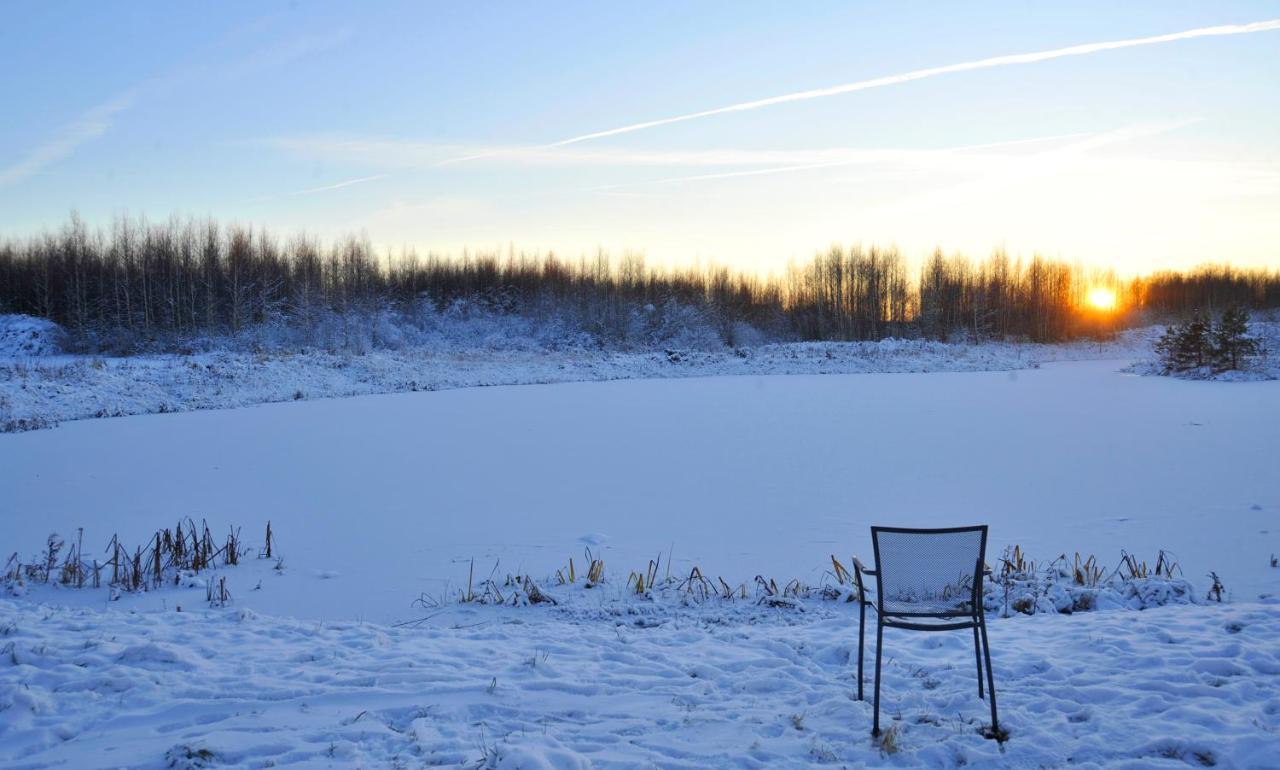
[(152, 284)]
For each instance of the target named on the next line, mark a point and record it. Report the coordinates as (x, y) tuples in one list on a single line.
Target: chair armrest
[(858, 566)]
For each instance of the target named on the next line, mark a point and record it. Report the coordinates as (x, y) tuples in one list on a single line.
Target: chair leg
[(875, 725), (991, 681), (862, 622), (977, 654)]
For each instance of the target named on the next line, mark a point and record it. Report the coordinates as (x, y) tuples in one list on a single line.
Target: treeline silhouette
[(139, 285)]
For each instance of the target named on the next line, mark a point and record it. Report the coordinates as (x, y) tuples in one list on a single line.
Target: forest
[(144, 286)]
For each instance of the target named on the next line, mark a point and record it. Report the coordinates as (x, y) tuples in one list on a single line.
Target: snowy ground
[(379, 499), (524, 688), (39, 391)]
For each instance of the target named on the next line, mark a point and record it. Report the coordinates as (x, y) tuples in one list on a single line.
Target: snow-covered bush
[(1019, 586), (28, 336)]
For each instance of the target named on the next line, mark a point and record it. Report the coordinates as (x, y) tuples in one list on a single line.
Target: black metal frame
[(975, 618)]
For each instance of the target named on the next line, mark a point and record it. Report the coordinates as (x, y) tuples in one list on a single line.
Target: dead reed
[(186, 550), (1025, 583)]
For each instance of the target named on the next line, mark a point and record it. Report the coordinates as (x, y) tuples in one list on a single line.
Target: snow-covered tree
[(1231, 340), (1186, 346)]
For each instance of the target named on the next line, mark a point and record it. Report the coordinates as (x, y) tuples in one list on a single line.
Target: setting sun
[(1102, 298)]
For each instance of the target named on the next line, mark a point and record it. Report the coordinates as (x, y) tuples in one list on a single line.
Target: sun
[(1102, 298)]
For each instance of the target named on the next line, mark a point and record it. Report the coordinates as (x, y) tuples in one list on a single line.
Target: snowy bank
[(42, 392)]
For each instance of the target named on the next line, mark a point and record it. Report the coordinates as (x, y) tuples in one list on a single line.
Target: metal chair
[(927, 580)]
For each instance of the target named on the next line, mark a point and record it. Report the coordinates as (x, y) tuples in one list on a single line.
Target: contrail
[(890, 80), (340, 185)]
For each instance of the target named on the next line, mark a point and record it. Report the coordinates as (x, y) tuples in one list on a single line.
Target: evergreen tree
[(1194, 346), (1167, 348), (1231, 342), (1185, 346)]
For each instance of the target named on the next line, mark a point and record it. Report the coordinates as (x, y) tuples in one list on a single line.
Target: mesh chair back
[(929, 572)]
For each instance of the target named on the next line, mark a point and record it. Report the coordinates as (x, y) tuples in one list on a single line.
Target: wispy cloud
[(340, 185), (405, 155), (100, 119), (967, 155), (1054, 161), (91, 124), (906, 77)]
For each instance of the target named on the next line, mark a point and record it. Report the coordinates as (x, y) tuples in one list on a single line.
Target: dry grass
[(186, 549), (1136, 570), (1217, 589), (889, 740), (1087, 572), (216, 592), (1024, 582), (595, 571)]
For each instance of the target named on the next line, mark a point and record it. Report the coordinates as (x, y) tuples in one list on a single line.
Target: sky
[(547, 126)]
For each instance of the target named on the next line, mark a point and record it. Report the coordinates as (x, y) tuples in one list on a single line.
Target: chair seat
[(926, 606), (935, 605)]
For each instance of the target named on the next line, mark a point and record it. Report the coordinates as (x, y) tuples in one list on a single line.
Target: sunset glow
[(1102, 298), (1126, 137)]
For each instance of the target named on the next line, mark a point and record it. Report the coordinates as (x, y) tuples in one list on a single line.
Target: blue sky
[(337, 118)]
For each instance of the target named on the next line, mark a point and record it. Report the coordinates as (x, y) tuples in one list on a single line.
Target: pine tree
[(1167, 348), (1194, 348), (1185, 346), (1231, 342)]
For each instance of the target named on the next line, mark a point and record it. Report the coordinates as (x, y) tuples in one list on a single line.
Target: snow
[(378, 500), (41, 392), (738, 475), (521, 688), (24, 336)]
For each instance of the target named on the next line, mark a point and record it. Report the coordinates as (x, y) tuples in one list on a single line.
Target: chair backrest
[(929, 572)]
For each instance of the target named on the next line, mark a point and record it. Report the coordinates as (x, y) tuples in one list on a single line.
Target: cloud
[(100, 119), (90, 125), (965, 156), (340, 185), (921, 74), (410, 155), (1064, 159)]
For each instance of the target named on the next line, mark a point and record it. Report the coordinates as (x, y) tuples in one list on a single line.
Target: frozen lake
[(377, 499)]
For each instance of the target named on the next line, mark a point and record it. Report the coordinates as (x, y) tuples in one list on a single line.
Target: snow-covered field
[(377, 500)]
